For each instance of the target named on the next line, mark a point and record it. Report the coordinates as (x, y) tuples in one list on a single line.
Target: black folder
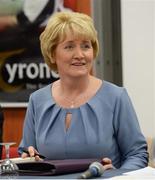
[(54, 167)]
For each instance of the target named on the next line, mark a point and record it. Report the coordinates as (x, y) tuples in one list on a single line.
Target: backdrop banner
[(22, 68)]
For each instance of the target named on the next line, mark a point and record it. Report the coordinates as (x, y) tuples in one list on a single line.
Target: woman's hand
[(107, 163), (31, 153)]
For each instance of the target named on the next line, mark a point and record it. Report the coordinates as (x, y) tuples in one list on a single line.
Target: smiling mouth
[(78, 64)]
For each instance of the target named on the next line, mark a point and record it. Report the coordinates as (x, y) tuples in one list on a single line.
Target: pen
[(25, 150)]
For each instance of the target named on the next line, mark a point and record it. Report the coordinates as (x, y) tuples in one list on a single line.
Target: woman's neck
[(74, 93), (74, 86)]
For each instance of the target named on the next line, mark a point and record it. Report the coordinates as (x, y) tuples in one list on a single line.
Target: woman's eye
[(86, 46), (69, 47)]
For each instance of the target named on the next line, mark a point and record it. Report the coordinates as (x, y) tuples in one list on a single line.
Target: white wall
[(138, 48)]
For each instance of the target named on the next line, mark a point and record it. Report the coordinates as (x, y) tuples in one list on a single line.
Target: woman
[(80, 116)]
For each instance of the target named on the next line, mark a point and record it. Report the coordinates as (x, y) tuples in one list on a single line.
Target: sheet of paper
[(144, 171), (147, 173), (22, 160)]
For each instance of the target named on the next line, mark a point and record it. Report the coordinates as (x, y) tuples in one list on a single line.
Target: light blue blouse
[(105, 126)]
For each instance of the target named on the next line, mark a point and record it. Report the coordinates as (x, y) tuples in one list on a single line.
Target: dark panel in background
[(106, 14)]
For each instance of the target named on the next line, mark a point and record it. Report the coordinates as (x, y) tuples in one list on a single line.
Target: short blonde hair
[(59, 24)]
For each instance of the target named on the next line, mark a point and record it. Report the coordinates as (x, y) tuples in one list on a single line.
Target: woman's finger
[(31, 151), (106, 161), (24, 155), (108, 166)]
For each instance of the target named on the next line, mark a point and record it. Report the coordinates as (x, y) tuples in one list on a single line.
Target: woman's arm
[(131, 142), (28, 138)]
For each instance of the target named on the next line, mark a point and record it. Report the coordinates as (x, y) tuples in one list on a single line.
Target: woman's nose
[(78, 53)]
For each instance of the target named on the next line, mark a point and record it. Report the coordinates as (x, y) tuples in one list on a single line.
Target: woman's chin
[(80, 73)]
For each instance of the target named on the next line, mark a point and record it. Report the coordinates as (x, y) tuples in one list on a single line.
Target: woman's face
[(74, 57)]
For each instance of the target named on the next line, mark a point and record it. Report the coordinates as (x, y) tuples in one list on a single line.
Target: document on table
[(23, 160), (140, 174)]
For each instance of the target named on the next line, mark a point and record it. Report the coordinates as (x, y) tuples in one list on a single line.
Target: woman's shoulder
[(41, 99), (42, 95), (110, 92), (112, 89), (108, 95), (44, 91)]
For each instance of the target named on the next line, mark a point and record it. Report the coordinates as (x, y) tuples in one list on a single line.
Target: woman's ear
[(52, 58)]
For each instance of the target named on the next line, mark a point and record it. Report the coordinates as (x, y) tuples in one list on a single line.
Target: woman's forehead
[(69, 36)]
